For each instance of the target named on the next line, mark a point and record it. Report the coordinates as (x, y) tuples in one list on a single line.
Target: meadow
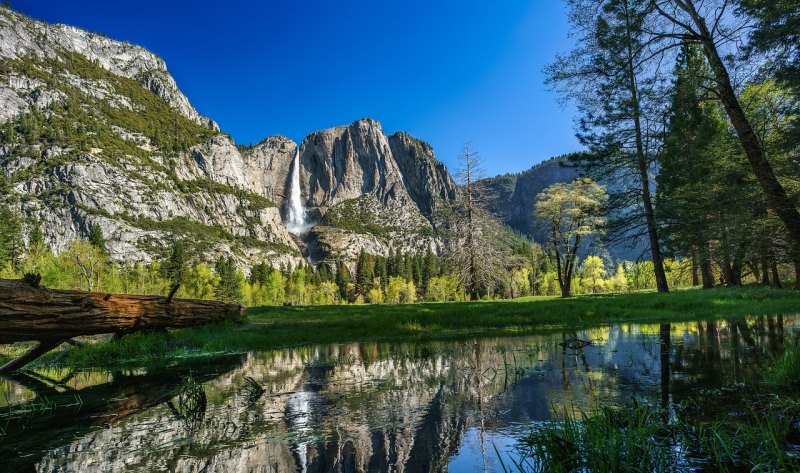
[(288, 326)]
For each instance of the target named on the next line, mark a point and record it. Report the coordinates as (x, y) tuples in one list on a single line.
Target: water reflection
[(369, 406)]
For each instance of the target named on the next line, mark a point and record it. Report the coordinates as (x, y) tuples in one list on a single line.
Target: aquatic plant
[(632, 439), (785, 370)]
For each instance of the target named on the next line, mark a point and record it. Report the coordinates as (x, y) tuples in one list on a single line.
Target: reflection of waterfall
[(296, 221)]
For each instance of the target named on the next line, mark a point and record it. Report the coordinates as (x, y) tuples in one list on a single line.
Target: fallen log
[(29, 312)]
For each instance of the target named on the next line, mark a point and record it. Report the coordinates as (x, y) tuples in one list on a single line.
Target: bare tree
[(90, 261), (473, 237)]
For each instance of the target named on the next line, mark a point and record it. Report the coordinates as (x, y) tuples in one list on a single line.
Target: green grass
[(644, 438), (785, 371), (624, 440), (276, 327)]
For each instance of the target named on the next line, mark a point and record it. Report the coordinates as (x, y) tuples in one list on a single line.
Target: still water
[(374, 406)]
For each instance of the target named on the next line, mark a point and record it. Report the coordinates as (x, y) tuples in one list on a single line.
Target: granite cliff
[(96, 132)]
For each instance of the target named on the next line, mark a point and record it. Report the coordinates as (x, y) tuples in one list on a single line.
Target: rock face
[(373, 191), (511, 197), (21, 37), (96, 132)]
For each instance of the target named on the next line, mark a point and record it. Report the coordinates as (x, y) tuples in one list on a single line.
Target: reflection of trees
[(728, 351), (407, 407), (75, 412)]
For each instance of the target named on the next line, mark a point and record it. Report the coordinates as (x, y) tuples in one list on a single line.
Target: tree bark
[(695, 267), (797, 273), (647, 202), (705, 267), (776, 277), (776, 195), (49, 315)]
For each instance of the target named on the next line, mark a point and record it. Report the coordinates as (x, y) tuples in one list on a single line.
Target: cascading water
[(296, 214)]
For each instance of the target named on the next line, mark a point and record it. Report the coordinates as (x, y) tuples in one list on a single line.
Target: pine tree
[(96, 237), (342, 279), (176, 267), (381, 271), (364, 273), (10, 237), (229, 287), (428, 270), (259, 273), (36, 237), (617, 95), (408, 268)]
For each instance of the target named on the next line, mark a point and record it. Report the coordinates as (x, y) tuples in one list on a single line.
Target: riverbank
[(276, 327)]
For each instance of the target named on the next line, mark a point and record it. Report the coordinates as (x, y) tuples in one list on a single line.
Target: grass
[(785, 370), (276, 327), (641, 438), (625, 440)]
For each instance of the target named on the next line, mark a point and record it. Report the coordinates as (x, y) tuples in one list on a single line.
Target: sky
[(446, 71)]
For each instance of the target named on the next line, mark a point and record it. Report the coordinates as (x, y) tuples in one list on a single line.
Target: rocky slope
[(511, 197), (95, 131)]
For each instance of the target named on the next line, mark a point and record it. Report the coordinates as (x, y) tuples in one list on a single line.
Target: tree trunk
[(764, 269), (695, 267), (776, 278), (776, 195), (50, 316), (705, 267), (644, 173), (797, 273)]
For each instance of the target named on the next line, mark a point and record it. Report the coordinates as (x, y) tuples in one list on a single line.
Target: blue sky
[(446, 71)]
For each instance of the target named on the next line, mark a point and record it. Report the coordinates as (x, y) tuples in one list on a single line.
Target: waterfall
[(296, 218)]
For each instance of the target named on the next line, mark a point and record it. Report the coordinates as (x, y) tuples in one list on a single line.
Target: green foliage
[(364, 273), (785, 370), (96, 237), (571, 211), (10, 237), (624, 440), (343, 280), (176, 268), (354, 216), (229, 285), (80, 123)]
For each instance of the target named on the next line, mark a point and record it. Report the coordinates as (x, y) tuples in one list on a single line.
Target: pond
[(372, 406)]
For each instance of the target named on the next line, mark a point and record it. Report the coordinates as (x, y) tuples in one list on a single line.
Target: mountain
[(511, 197), (95, 131)]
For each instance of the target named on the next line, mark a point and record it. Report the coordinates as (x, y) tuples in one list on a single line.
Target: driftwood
[(29, 312)]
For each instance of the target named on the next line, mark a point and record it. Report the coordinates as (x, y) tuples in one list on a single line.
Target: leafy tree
[(572, 212), (201, 282), (593, 272), (229, 285), (618, 98), (326, 293)]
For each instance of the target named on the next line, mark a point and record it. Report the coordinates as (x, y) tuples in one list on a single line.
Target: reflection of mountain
[(410, 407)]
